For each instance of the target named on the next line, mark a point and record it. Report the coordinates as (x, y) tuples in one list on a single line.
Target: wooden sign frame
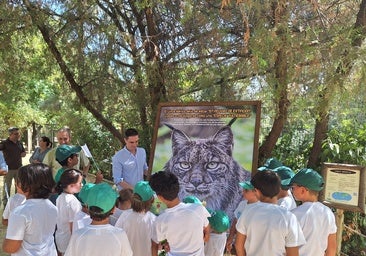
[(344, 186)]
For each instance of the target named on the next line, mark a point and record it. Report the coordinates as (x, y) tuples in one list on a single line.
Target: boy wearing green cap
[(219, 223), (317, 220), (191, 200), (67, 156), (138, 222), (82, 218), (249, 197), (265, 228), (270, 164), (100, 238), (285, 197)]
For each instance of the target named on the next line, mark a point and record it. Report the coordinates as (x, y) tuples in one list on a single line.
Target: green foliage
[(346, 144), (294, 146)]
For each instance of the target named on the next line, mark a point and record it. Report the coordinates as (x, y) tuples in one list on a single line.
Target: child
[(123, 203), (14, 201), (82, 218), (317, 220), (67, 156), (249, 198), (219, 223), (285, 198), (270, 164), (191, 200), (184, 226), (68, 205), (265, 228), (100, 238), (32, 224), (138, 222)]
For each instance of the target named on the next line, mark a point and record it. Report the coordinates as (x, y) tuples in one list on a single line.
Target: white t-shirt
[(114, 217), (81, 220), (269, 229), (287, 202), (33, 222), (99, 240), (182, 225), (317, 222), (13, 202), (68, 205), (240, 208), (139, 228), (216, 244)]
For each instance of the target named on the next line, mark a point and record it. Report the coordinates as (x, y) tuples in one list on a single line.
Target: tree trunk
[(68, 74), (343, 70), (281, 72)]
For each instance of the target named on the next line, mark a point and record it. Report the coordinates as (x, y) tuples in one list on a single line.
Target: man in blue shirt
[(129, 164), (3, 165)]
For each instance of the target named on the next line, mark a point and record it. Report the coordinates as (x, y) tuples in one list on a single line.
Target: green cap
[(83, 194), (285, 174), (103, 196), (143, 189), (191, 200), (270, 164), (64, 151), (219, 221), (246, 185), (308, 178)]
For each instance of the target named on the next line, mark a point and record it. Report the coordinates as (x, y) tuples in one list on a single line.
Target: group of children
[(93, 219), (271, 223)]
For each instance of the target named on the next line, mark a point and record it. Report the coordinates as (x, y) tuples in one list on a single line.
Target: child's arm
[(230, 238), (239, 244), (4, 221), (70, 225), (206, 233), (292, 251), (332, 245), (154, 248), (11, 246)]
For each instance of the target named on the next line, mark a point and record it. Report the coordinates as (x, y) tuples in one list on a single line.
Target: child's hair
[(36, 180), (138, 205), (124, 195), (97, 214), (69, 176), (165, 184), (267, 182)]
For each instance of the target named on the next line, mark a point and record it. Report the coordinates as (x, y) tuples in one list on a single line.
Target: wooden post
[(339, 222)]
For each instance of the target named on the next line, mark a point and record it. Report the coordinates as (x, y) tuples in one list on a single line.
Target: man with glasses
[(13, 151), (64, 138)]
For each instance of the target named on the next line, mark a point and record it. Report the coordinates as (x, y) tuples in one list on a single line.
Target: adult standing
[(129, 164), (13, 151), (64, 137), (39, 153)]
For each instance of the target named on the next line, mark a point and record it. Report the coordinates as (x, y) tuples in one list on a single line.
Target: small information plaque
[(344, 186)]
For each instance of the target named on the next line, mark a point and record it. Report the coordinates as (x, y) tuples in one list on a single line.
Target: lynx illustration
[(206, 169)]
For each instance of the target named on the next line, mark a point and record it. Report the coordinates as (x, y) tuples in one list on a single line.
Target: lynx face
[(206, 169)]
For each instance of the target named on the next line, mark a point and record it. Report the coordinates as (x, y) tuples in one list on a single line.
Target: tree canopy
[(101, 66), (114, 61)]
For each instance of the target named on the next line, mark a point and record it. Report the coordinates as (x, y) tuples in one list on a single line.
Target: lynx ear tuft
[(225, 139)]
